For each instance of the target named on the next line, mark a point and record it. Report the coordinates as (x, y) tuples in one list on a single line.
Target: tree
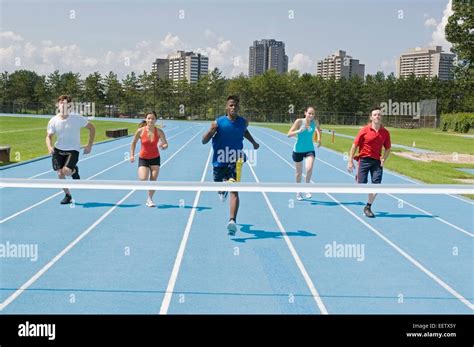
[(20, 88), (4, 79), (43, 96), (71, 84), (94, 88), (164, 96), (240, 85), (112, 92), (54, 83), (460, 32), (132, 101)]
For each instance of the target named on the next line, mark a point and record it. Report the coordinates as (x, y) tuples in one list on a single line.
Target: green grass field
[(432, 172), (26, 136), (431, 139)]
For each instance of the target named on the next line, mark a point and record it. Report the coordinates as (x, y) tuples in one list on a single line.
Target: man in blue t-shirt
[(227, 133)]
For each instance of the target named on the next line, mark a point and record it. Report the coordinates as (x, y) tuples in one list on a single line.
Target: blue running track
[(108, 253)]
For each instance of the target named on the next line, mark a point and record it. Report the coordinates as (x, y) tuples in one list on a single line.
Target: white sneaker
[(299, 197), (308, 195), (223, 196), (150, 203), (231, 228)]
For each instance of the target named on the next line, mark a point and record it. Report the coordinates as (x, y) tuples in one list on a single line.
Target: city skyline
[(267, 54), (122, 36)]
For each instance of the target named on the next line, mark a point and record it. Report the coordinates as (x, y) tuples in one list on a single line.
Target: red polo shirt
[(370, 142)]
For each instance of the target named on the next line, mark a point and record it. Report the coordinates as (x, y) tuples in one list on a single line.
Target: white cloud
[(47, 56), (10, 36), (223, 55), (29, 50), (302, 63), (438, 37), (172, 42), (430, 22)]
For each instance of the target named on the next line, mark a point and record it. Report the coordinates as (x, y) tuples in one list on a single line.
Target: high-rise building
[(161, 67), (182, 65), (429, 61), (265, 55), (340, 65)]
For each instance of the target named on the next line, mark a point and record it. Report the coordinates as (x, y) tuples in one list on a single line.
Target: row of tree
[(271, 96)]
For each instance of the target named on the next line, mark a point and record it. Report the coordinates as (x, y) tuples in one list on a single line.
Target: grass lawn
[(26, 136), (432, 172), (431, 139)]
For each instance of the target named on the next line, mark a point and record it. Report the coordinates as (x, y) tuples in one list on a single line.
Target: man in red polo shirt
[(370, 141)]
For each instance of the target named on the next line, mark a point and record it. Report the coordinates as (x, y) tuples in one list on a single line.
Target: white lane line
[(406, 202), (408, 257), (89, 178), (391, 243), (439, 219), (294, 253), (98, 154), (45, 268), (179, 257), (20, 130), (435, 217), (388, 172)]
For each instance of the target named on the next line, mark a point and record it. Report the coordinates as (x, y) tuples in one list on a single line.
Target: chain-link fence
[(210, 112)]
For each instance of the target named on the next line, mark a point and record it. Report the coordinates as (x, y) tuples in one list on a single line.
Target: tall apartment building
[(182, 65), (161, 67), (429, 61), (340, 65), (265, 55)]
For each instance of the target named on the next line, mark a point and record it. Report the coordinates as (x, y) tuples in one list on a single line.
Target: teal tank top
[(304, 141)]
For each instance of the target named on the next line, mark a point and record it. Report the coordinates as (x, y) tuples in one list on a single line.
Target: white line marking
[(392, 244), (388, 171), (179, 257), (435, 217), (398, 199), (99, 154), (408, 257), (19, 130), (294, 253), (278, 187), (45, 268), (59, 193)]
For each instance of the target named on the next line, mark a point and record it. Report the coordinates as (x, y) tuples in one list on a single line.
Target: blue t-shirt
[(227, 143), (304, 142)]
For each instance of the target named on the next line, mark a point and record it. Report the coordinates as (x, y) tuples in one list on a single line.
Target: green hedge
[(459, 122)]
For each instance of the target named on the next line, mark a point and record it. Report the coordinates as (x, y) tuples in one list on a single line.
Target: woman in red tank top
[(149, 158)]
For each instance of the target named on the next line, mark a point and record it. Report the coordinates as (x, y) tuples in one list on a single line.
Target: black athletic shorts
[(224, 173), (298, 156), (62, 159), (366, 165), (149, 162)]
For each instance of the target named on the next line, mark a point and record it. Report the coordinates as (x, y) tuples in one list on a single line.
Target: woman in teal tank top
[(305, 130)]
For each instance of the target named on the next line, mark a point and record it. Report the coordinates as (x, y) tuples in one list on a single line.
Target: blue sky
[(124, 36)]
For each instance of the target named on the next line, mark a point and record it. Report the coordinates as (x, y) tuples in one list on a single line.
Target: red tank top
[(149, 149)]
